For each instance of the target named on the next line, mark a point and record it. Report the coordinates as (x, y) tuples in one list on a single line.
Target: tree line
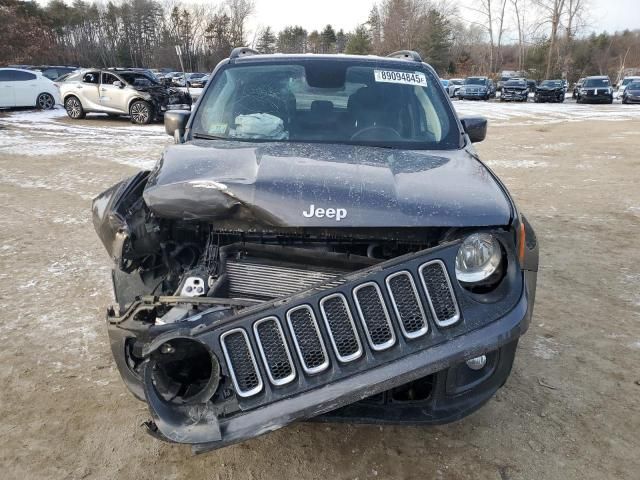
[(543, 37)]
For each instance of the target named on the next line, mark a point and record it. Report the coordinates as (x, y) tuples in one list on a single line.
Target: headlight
[(479, 257), (583, 91)]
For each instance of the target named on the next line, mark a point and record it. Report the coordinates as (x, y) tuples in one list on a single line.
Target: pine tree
[(359, 42), (328, 40), (267, 41)]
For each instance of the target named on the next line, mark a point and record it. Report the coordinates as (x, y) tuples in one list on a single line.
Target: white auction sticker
[(406, 78)]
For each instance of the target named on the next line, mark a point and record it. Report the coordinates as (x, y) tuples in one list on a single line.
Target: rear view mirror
[(175, 122), (475, 127)]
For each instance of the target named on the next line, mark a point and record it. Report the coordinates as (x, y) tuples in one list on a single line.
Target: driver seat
[(373, 106)]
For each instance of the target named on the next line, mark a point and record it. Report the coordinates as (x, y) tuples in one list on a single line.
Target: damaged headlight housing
[(479, 261)]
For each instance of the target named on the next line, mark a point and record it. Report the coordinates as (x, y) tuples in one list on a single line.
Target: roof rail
[(406, 55), (239, 52)]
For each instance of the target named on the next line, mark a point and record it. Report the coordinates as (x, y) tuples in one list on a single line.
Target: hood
[(322, 185)]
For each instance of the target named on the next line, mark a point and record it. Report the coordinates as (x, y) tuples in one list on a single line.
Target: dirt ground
[(570, 410)]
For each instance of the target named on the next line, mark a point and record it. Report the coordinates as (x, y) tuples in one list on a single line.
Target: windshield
[(635, 85), (552, 83), (627, 81), (137, 79), (475, 81), (328, 102), (457, 81), (516, 83), (596, 82)]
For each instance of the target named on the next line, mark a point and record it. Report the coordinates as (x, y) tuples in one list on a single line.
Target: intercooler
[(261, 279)]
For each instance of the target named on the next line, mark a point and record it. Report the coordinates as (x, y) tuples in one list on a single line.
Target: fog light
[(477, 363)]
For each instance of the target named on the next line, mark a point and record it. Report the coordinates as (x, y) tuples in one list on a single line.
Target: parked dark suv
[(322, 241), (595, 90), (477, 88), (515, 90), (550, 91)]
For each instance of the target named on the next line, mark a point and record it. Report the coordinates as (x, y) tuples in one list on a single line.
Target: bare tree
[(519, 10), (552, 12), (489, 17)]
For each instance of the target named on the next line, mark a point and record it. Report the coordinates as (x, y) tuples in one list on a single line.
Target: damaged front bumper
[(325, 348)]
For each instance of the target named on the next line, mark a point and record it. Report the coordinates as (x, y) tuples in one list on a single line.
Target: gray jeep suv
[(322, 242), (120, 92)]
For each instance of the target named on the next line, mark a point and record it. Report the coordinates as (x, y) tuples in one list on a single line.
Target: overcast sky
[(610, 15)]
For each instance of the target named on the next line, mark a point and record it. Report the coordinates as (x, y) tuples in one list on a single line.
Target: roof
[(251, 56)]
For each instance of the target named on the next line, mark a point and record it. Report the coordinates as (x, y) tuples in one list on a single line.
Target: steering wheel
[(377, 133)]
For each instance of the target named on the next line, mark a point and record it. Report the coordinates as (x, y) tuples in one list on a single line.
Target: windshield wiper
[(204, 136)]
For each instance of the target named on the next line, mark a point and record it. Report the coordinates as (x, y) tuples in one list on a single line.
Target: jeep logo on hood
[(337, 213)]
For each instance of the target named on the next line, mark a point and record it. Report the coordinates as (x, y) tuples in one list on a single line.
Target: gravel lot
[(570, 410)]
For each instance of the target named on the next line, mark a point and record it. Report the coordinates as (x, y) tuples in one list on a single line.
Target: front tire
[(74, 108), (45, 101), (141, 112)]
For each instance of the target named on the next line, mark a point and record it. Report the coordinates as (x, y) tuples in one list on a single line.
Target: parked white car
[(27, 88), (455, 84)]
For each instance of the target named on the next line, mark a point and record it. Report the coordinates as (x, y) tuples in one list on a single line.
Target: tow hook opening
[(185, 371)]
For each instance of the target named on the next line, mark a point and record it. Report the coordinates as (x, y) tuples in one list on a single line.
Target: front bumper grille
[(371, 308)]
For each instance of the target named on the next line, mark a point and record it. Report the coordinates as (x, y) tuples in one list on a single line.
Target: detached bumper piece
[(336, 344)]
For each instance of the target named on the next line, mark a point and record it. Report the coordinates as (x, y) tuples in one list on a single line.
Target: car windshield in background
[(457, 82), (515, 83), (475, 81), (328, 102), (634, 85), (596, 83), (627, 81), (552, 83), (138, 79)]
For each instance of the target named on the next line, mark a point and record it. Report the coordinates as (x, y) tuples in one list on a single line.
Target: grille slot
[(241, 362), (274, 351), (407, 305), (307, 339), (374, 315), (437, 286), (341, 328)]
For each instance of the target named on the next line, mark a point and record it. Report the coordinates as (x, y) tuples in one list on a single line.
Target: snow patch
[(545, 348)]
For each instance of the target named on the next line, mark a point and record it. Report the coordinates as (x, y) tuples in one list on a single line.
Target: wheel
[(624, 100), (188, 84), (141, 112), (610, 101), (45, 101), (536, 99), (74, 108)]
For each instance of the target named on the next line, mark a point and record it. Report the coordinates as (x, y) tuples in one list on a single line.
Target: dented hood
[(320, 185)]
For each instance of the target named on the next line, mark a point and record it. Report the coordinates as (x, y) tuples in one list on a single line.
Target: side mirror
[(118, 84), (175, 122), (475, 127)]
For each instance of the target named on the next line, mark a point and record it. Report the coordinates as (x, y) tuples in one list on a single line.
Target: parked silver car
[(120, 92)]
